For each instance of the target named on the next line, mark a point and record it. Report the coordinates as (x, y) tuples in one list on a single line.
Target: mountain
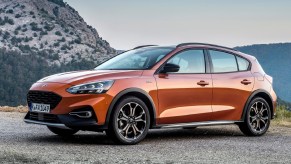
[(51, 27), (42, 37), (276, 61)]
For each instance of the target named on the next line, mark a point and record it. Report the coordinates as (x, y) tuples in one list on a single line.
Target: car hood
[(78, 77)]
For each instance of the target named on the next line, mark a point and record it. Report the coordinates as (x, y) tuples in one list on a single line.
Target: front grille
[(42, 97), (51, 118)]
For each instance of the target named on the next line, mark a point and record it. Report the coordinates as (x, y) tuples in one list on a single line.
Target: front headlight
[(91, 88)]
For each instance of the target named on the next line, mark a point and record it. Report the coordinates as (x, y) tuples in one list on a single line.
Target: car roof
[(202, 45)]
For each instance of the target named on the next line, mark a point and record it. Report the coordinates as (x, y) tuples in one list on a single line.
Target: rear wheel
[(62, 132), (257, 118), (130, 121)]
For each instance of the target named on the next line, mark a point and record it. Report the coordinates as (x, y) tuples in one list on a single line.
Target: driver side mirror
[(169, 67)]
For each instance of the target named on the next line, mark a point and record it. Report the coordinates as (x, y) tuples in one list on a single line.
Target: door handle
[(246, 82), (202, 83)]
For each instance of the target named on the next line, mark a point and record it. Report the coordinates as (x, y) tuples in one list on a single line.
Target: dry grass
[(283, 117), (21, 109)]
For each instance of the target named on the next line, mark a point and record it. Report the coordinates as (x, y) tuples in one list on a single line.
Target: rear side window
[(243, 64), (223, 62)]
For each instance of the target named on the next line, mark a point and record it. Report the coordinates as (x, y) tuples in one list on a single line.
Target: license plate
[(41, 108)]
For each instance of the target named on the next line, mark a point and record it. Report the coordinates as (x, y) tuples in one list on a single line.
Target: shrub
[(31, 13), (71, 33), (49, 27), (16, 32), (10, 21), (6, 35), (18, 28), (78, 41), (63, 39), (56, 11), (58, 33), (34, 34), (58, 2), (17, 16), (57, 44), (43, 33), (10, 11), (67, 30), (24, 30)]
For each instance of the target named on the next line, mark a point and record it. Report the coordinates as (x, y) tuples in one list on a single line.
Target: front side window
[(223, 62), (138, 59), (190, 61)]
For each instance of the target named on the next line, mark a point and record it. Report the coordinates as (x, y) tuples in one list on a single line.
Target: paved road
[(20, 142)]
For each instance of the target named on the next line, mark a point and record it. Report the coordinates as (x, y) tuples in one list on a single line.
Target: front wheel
[(62, 132), (257, 118), (130, 121)]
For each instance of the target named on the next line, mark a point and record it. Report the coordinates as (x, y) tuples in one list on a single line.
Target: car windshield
[(137, 59)]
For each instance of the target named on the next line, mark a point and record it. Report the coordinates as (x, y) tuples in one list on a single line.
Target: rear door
[(232, 84), (185, 96)]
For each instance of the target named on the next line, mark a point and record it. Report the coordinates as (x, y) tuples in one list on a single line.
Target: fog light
[(82, 114)]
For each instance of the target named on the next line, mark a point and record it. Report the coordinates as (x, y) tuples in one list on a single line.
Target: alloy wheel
[(258, 116), (131, 121)]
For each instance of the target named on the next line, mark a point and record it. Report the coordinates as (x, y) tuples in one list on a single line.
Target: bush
[(63, 39), (57, 44), (6, 20), (24, 30), (16, 32), (34, 27), (10, 11), (58, 2), (17, 16), (58, 33), (67, 30), (71, 33), (34, 34), (31, 13), (49, 27), (56, 11), (78, 41), (43, 33), (6, 35), (11, 21)]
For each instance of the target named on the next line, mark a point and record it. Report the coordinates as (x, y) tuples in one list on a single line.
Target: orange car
[(188, 85)]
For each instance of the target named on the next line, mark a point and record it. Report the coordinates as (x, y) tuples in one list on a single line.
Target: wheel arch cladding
[(259, 93), (136, 92)]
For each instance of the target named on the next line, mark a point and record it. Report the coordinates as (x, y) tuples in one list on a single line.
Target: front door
[(185, 96)]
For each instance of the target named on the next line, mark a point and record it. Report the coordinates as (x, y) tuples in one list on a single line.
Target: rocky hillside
[(51, 28), (40, 38)]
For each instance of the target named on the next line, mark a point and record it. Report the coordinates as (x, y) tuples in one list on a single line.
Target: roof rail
[(143, 46), (204, 44)]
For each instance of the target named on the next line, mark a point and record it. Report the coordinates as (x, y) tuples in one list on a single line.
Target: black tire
[(129, 122), (62, 132), (256, 123)]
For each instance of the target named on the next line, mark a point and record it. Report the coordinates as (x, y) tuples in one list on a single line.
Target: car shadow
[(160, 135)]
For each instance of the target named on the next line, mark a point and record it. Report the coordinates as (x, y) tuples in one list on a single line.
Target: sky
[(129, 23)]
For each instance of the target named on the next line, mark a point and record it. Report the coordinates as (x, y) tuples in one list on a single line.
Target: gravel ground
[(24, 143)]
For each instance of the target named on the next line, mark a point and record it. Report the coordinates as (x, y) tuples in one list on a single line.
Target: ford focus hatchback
[(187, 85)]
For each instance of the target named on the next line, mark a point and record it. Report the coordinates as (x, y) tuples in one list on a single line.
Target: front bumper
[(72, 102), (65, 121)]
